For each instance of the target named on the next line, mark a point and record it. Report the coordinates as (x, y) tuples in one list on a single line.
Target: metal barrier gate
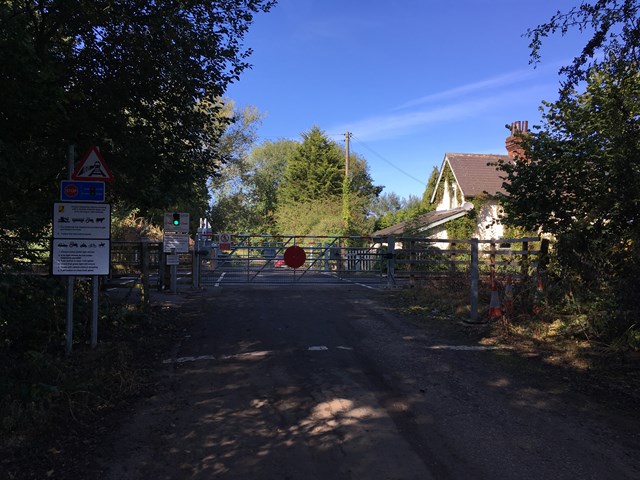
[(260, 259)]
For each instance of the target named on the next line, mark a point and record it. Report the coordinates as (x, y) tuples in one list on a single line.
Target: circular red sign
[(294, 256), (71, 191)]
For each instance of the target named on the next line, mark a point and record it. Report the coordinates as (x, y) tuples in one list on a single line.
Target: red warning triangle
[(92, 167)]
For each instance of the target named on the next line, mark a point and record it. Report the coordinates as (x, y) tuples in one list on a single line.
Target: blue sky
[(410, 79)]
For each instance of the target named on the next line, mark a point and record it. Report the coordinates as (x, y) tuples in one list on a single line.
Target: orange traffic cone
[(538, 298), (494, 305)]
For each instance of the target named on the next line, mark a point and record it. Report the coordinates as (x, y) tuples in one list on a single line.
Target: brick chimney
[(513, 142)]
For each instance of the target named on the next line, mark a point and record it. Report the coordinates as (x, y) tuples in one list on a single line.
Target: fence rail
[(254, 258)]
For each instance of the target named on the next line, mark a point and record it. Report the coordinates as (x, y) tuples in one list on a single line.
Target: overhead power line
[(387, 161)]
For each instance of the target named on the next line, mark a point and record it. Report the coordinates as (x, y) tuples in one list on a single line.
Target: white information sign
[(75, 220), (179, 241), (79, 256), (173, 259)]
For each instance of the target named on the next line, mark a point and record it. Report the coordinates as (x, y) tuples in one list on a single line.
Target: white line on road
[(220, 279), (262, 353), (319, 348), (468, 347)]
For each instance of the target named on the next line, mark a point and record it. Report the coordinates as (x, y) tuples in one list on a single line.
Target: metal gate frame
[(259, 259)]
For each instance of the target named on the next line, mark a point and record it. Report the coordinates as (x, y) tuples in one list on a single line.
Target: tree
[(245, 194), (314, 181), (616, 31), (425, 204), (141, 79), (267, 166), (580, 180), (315, 171), (230, 208)]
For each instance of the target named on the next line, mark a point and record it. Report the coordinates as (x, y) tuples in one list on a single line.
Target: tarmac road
[(325, 382)]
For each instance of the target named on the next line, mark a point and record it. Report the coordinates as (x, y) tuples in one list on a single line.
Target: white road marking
[(220, 279), (321, 348), (262, 353), (468, 347), (350, 281)]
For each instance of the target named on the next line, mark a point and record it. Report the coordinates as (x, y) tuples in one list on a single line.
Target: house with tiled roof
[(473, 180), (467, 185)]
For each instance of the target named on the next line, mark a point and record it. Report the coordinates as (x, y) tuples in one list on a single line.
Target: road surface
[(327, 382)]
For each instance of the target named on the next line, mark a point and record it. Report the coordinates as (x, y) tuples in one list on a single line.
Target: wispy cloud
[(490, 83), (393, 125)]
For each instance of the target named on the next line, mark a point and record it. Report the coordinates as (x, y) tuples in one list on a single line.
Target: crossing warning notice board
[(81, 238), (81, 257)]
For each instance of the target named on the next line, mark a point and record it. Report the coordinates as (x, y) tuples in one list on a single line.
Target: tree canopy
[(580, 178), (139, 78), (614, 26), (314, 171), (314, 191)]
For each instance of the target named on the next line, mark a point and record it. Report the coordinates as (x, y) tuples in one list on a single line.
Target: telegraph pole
[(346, 214), (347, 136)]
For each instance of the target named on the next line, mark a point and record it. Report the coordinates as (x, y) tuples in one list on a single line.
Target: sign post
[(70, 278), (82, 231), (175, 240)]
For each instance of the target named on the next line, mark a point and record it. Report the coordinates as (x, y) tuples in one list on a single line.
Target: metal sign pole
[(94, 305), (70, 279), (95, 282), (174, 274)]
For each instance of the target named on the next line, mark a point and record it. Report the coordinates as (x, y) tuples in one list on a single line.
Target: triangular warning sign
[(92, 167)]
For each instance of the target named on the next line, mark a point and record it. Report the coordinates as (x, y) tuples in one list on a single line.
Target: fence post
[(144, 244), (412, 260), (475, 276), (524, 267), (492, 264), (452, 257), (195, 263), (543, 256), (391, 247)]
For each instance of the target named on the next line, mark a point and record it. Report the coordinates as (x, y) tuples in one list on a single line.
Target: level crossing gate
[(261, 259)]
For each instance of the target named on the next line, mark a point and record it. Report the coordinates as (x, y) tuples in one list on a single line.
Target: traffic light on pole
[(176, 219)]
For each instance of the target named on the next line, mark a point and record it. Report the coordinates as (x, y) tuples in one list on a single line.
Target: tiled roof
[(474, 176), (424, 221)]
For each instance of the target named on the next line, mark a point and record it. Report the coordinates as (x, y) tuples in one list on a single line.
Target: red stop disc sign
[(294, 256), (71, 191)]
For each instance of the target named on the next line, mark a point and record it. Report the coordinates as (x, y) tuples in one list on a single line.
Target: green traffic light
[(176, 219)]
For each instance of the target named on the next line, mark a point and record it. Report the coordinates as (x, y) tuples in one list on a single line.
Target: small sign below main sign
[(80, 256), (177, 241), (173, 259), (80, 191)]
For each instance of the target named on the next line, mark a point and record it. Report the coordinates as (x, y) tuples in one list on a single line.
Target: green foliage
[(315, 170), (140, 79), (314, 176), (447, 179), (313, 217), (581, 183), (616, 31), (426, 205), (267, 164), (31, 309)]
